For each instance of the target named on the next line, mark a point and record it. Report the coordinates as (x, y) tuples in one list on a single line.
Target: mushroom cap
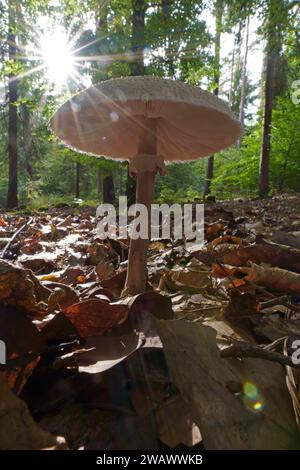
[(106, 119)]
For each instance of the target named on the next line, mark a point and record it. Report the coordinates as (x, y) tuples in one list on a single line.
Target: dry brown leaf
[(116, 283), (227, 239), (94, 317), (109, 350), (70, 296), (285, 238), (18, 430), (274, 278), (105, 270), (23, 344), (175, 425), (269, 253), (255, 413), (195, 278), (19, 287)]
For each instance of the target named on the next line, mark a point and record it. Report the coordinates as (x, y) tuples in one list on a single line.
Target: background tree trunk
[(136, 66), (218, 23), (138, 37), (273, 85), (244, 81), (99, 182), (27, 139), (232, 68), (108, 190), (12, 194), (77, 180)]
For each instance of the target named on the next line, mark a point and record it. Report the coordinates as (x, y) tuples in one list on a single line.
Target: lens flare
[(252, 397)]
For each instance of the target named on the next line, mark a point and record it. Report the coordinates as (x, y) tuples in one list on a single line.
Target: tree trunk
[(230, 98), (77, 180), (27, 140), (166, 11), (138, 37), (273, 87), (218, 23), (244, 79), (235, 101), (99, 182), (12, 194), (209, 175), (108, 190), (136, 67)]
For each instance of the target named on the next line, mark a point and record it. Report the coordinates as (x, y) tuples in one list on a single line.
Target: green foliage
[(179, 44)]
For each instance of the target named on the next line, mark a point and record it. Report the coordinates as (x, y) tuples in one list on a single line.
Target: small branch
[(284, 300), (226, 274), (8, 244), (241, 350)]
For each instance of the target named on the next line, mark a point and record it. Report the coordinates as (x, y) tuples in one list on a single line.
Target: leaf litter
[(202, 359)]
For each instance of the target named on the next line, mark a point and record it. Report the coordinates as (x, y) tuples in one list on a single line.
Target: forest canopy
[(246, 52)]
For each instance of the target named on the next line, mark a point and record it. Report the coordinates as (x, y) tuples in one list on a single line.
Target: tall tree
[(12, 194), (77, 179), (218, 30), (244, 77), (274, 26), (137, 66), (138, 37), (108, 189)]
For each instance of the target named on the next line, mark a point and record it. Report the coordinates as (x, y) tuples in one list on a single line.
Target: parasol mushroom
[(147, 121)]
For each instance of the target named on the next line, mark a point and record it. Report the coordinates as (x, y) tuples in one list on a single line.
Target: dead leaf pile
[(203, 358)]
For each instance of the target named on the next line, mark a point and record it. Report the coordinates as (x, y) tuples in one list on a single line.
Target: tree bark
[(99, 182), (230, 97), (166, 10), (108, 190), (218, 23), (27, 140), (138, 37), (244, 80), (12, 194), (136, 67), (273, 87), (77, 180)]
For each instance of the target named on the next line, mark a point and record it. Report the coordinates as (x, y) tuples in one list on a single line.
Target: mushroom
[(147, 121)]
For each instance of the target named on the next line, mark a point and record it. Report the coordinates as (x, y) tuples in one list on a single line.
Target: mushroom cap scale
[(107, 119)]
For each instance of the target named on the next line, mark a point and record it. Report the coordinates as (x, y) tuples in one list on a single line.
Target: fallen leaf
[(175, 424), (70, 296), (19, 287), (115, 283), (18, 430), (274, 278), (269, 253), (94, 317), (108, 351), (285, 238), (257, 414), (105, 270)]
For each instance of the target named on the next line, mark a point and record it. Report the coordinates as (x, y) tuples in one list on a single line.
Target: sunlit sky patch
[(56, 52)]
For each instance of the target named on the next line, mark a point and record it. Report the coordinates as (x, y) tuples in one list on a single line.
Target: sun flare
[(56, 52)]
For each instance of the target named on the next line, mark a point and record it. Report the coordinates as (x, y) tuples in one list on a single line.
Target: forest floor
[(208, 356)]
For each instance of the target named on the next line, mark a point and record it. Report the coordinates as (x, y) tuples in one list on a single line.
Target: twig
[(226, 273), (283, 300), (276, 345), (242, 350), (8, 244)]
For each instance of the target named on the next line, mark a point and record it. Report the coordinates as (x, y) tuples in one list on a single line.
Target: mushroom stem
[(145, 160)]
